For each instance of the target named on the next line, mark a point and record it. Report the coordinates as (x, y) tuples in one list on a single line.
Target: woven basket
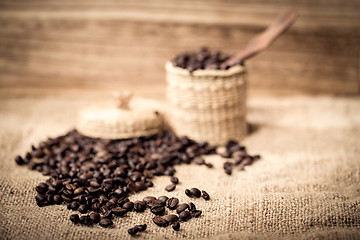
[(207, 105)]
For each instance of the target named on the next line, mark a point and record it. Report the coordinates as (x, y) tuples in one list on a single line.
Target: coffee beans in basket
[(95, 176), (201, 59)]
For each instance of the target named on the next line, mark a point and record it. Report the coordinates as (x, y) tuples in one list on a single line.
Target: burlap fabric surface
[(305, 186)]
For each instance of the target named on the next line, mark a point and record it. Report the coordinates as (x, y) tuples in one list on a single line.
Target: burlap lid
[(124, 117)]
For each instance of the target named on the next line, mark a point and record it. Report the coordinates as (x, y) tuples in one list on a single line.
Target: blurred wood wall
[(106, 44)]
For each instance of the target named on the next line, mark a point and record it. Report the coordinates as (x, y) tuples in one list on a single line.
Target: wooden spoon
[(264, 39)]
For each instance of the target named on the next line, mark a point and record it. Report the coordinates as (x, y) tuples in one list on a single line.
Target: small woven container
[(207, 105)]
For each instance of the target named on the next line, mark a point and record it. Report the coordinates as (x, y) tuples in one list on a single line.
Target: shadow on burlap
[(305, 186)]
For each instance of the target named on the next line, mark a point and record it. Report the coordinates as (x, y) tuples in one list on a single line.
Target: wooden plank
[(91, 44)]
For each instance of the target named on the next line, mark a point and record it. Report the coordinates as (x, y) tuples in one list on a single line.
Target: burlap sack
[(306, 186), (207, 105)]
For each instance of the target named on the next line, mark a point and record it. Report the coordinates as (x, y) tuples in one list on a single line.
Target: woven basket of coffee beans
[(206, 103)]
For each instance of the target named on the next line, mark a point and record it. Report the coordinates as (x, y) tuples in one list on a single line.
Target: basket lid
[(122, 118)]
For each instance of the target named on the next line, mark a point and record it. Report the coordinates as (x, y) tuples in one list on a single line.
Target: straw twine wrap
[(207, 105)]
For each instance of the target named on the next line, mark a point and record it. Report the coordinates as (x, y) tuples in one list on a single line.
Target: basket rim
[(237, 69)]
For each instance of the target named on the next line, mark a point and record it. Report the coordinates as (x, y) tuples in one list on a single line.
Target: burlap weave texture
[(305, 186)]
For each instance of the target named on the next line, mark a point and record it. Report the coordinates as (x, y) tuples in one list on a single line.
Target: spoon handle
[(264, 39)]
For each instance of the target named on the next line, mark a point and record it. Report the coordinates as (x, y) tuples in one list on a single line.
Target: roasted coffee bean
[(174, 180), (199, 161), (40, 198), (94, 217), (74, 218), (176, 226), (119, 211), (148, 199), (209, 165), (19, 160), (41, 188), (188, 192), (181, 207), (133, 231), (192, 206), (85, 219), (195, 192), (141, 227), (79, 190), (185, 215), (82, 208), (105, 222), (163, 199), (171, 187), (171, 218), (57, 199), (158, 210), (108, 214), (205, 195), (161, 222), (141, 186), (196, 213), (226, 154), (172, 203), (74, 205), (139, 206), (128, 206)]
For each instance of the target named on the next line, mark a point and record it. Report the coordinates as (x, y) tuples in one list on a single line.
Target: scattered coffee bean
[(139, 206), (196, 213), (209, 165), (161, 222), (171, 218), (181, 207), (205, 195), (19, 160), (199, 161), (74, 218), (141, 227), (174, 180), (158, 210), (170, 187), (176, 226), (118, 211), (185, 215), (133, 231), (172, 203), (41, 188), (163, 199), (195, 192), (188, 193), (85, 220), (105, 222), (148, 199), (82, 208), (108, 214), (192, 206), (95, 217), (128, 206)]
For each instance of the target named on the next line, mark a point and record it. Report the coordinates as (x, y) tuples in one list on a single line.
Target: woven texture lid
[(120, 119)]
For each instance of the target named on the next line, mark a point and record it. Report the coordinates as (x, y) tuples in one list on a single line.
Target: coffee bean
[(41, 188), (176, 226), (174, 180), (105, 222), (40, 198), (196, 213), (19, 160), (181, 207), (119, 211), (139, 206), (195, 192), (158, 210), (199, 161), (82, 208), (209, 165), (148, 199), (171, 218), (226, 154), (205, 195), (192, 206), (85, 219), (128, 206), (79, 190), (108, 214), (133, 231), (141, 227), (185, 215), (95, 217), (57, 199), (74, 218), (171, 187), (188, 193), (163, 199), (161, 222), (172, 203)]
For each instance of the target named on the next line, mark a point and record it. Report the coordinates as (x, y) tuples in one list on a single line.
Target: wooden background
[(91, 44)]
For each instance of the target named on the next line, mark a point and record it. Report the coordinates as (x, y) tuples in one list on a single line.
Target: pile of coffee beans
[(201, 59), (238, 153), (96, 176)]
